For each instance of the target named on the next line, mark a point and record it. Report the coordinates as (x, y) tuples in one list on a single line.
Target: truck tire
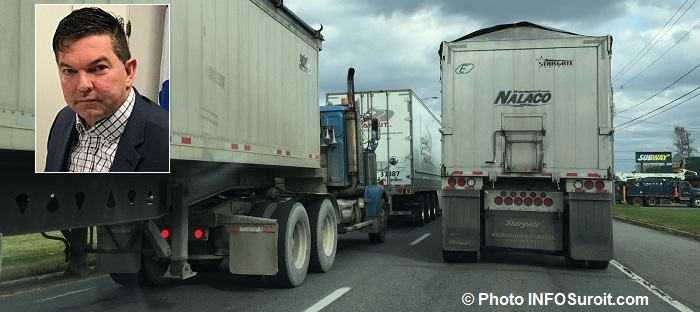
[(450, 256), (324, 235), (294, 244), (205, 265), (637, 201), (425, 201), (598, 265), (150, 273), (419, 210), (471, 256), (652, 201), (572, 263), (380, 237), (695, 202), (433, 205)]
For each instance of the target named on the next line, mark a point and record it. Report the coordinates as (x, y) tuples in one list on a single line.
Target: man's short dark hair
[(89, 22)]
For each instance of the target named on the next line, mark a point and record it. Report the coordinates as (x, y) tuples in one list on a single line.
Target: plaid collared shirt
[(95, 148)]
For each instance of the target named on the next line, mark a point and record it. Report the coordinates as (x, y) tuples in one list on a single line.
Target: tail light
[(589, 186), (521, 198), (165, 233)]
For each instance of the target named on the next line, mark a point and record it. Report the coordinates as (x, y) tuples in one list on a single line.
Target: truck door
[(684, 191), (523, 135)]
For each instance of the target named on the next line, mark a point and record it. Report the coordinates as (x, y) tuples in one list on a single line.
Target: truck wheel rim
[(298, 245), (327, 232)]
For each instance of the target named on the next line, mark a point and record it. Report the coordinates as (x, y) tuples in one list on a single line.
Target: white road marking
[(415, 242), (66, 294), (656, 291), (328, 300)]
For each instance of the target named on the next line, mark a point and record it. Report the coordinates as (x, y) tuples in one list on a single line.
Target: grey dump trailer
[(259, 175), (527, 143), (408, 154)]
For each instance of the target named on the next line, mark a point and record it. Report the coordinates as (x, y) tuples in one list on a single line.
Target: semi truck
[(408, 154), (259, 174), (527, 148)]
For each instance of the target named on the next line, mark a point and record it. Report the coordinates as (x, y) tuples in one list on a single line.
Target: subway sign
[(655, 157)]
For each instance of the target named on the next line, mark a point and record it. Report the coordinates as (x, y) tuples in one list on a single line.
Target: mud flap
[(461, 220), (524, 229), (253, 246), (590, 226), (373, 204)]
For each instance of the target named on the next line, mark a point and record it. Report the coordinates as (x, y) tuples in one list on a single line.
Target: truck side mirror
[(374, 140), (375, 128)]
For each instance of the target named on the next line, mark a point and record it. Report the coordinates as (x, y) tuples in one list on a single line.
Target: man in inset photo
[(107, 125)]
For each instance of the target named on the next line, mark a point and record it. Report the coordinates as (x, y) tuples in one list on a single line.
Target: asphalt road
[(407, 273)]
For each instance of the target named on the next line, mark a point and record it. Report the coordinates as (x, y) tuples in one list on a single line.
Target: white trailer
[(250, 178), (408, 151), (527, 143)]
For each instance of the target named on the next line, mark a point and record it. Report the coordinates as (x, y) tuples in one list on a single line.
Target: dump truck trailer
[(408, 154), (259, 175), (527, 148)]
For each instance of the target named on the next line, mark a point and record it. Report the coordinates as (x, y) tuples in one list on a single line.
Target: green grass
[(32, 254), (679, 218)]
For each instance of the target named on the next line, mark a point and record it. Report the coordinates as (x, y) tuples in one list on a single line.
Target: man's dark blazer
[(143, 145)]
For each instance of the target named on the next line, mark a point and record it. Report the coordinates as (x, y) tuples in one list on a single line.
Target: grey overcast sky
[(393, 44)]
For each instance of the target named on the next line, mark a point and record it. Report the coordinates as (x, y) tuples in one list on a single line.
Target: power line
[(652, 39), (651, 97), (655, 123), (658, 108), (660, 56)]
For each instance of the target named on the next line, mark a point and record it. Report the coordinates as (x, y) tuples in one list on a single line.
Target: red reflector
[(458, 172), (528, 201), (533, 194), (512, 194), (571, 174), (477, 172), (381, 182), (538, 201), (518, 201), (268, 229), (599, 185), (452, 181), (165, 233), (498, 200), (461, 182), (503, 193), (588, 184), (523, 194), (548, 202), (508, 201), (593, 175), (198, 234), (543, 194)]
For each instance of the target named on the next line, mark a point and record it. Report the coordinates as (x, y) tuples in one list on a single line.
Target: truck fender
[(373, 197)]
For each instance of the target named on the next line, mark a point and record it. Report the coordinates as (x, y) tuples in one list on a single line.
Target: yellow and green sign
[(653, 157)]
